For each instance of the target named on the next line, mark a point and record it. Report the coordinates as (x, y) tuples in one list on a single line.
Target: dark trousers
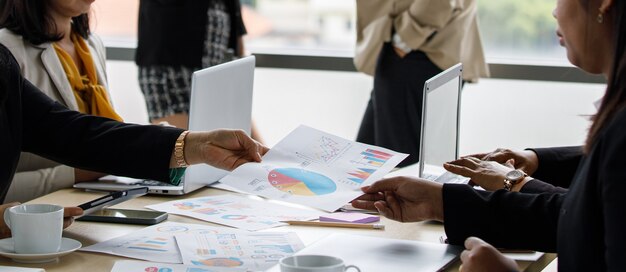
[(394, 113)]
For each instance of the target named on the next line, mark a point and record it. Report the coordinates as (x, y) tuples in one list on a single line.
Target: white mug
[(314, 263), (36, 228)]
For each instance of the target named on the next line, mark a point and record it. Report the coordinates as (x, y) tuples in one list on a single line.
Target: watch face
[(515, 175)]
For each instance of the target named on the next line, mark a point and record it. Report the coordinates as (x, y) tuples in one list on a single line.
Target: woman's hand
[(481, 256), (488, 174), (403, 199), (4, 229), (525, 160), (225, 149), (68, 217)]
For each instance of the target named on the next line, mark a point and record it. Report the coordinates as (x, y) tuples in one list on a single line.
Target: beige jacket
[(451, 23), (39, 64)]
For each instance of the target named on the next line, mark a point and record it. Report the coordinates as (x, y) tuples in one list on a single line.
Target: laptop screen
[(440, 120)]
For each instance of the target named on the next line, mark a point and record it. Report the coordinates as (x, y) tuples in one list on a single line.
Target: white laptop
[(439, 141), (221, 97)]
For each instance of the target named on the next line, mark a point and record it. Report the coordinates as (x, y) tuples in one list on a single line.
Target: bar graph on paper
[(369, 162)]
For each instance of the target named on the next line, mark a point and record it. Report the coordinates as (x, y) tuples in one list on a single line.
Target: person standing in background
[(56, 51), (402, 43), (176, 38)]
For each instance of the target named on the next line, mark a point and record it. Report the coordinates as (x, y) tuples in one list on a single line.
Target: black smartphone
[(111, 199), (125, 216)]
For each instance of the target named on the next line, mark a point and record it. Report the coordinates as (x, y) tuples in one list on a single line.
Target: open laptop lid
[(221, 98), (439, 141)]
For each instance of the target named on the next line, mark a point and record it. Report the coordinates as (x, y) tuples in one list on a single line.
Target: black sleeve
[(237, 27), (238, 19), (503, 219), (94, 143), (536, 186), (558, 165)]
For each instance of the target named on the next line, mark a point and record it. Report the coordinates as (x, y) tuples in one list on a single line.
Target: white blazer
[(40, 65)]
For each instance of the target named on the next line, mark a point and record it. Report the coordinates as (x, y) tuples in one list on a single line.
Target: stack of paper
[(205, 246)]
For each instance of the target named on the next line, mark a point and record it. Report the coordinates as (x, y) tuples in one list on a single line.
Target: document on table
[(155, 243), (236, 211), (255, 251), (383, 254), (314, 168), (139, 266)]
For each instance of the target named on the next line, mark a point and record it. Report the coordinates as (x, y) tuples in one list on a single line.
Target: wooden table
[(89, 233)]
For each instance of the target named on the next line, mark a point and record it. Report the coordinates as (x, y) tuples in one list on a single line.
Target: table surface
[(89, 233)]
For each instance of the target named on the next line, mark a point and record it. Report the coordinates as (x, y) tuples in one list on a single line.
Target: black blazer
[(586, 226), (32, 122)]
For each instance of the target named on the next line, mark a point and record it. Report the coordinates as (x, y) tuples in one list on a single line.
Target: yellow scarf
[(91, 97)]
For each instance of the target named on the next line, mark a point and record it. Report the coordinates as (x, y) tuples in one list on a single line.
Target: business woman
[(585, 226), (32, 122), (56, 52)]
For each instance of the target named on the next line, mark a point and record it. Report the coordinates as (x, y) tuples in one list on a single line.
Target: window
[(512, 30), (520, 31)]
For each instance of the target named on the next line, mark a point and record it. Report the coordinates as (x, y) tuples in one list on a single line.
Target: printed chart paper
[(138, 266), (315, 169), (253, 251), (236, 211), (155, 243)]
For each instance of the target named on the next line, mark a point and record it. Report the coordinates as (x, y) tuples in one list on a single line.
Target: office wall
[(495, 113)]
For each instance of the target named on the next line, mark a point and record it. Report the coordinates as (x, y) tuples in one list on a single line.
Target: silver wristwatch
[(512, 178)]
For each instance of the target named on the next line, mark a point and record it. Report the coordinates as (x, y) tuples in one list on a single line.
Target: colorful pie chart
[(301, 182)]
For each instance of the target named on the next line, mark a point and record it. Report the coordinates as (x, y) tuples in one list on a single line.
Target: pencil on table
[(336, 224)]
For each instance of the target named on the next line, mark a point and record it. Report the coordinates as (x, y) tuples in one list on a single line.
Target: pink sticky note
[(349, 217)]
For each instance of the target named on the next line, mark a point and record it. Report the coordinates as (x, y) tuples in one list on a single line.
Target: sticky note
[(349, 217)]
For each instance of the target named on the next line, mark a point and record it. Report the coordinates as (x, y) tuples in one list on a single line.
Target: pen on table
[(336, 224)]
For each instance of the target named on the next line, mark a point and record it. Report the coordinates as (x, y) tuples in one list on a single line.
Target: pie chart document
[(316, 169)]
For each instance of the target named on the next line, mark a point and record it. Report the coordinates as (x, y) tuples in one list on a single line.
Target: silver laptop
[(221, 97), (439, 142)]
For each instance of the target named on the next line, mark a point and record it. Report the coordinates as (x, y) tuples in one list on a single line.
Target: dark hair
[(30, 19), (615, 97)]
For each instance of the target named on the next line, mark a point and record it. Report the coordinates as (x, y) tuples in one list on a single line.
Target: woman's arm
[(94, 143), (422, 19), (503, 219)]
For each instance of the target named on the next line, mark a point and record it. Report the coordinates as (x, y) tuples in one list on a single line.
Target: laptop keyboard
[(448, 177)]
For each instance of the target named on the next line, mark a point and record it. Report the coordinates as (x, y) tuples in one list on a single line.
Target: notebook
[(221, 97)]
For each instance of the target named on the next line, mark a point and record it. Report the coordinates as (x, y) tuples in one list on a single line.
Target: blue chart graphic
[(298, 181), (151, 244)]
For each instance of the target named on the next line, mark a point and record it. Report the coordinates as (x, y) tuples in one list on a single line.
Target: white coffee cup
[(314, 263), (36, 228)]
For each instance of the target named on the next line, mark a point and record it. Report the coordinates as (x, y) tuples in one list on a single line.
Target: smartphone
[(125, 216), (111, 199)]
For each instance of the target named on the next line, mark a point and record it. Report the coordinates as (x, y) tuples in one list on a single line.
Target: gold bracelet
[(179, 150)]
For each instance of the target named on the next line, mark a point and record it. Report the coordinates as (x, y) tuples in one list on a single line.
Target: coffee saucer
[(67, 246)]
